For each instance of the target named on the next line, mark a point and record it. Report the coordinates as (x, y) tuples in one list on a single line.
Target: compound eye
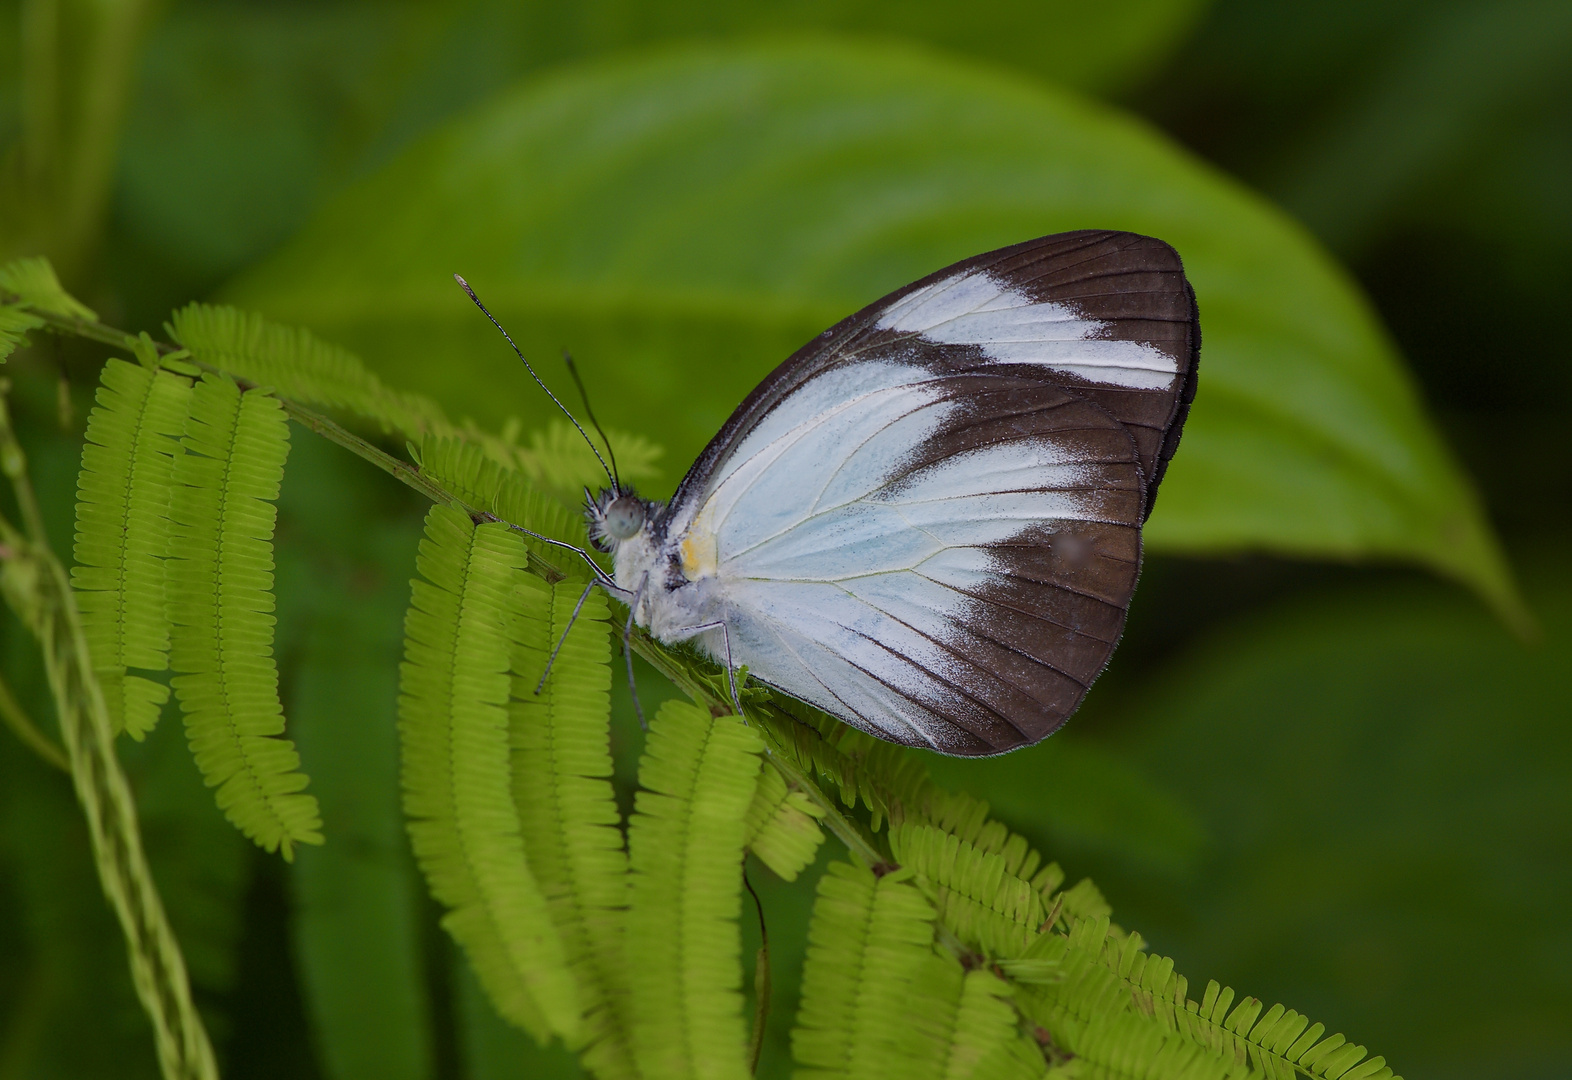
[(624, 518)]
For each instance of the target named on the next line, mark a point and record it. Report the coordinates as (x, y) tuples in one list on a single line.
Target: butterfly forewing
[(927, 522)]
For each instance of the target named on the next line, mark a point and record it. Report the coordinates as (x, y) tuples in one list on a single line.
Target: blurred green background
[(1330, 762)]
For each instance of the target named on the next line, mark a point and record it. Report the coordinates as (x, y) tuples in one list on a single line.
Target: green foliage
[(698, 776), (568, 818), (919, 967), (782, 826), (927, 954), (1318, 805), (453, 718), (557, 458), (805, 180), (32, 283), (295, 364), (474, 473), (984, 896), (123, 534), (1423, 781), (220, 605), (877, 1000), (38, 590), (15, 322)]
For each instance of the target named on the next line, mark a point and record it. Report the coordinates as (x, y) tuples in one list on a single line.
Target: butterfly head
[(616, 517)]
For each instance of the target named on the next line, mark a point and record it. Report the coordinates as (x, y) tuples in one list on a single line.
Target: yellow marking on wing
[(698, 549)]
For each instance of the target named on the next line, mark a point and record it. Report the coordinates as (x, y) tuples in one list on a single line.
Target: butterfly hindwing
[(927, 522)]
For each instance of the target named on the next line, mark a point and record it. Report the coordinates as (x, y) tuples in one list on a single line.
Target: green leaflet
[(33, 282), (685, 850), (1126, 1046), (454, 724), (568, 818), (893, 783), (123, 532), (220, 602), (480, 474), (558, 458), (782, 827), (15, 322), (979, 893), (877, 1000), (1014, 1059), (985, 1042), (1103, 979), (300, 367)]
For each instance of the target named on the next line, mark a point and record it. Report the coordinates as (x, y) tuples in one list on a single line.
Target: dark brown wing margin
[(1134, 284)]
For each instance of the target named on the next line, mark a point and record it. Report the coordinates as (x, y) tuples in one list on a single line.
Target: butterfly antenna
[(520, 353), (573, 369)]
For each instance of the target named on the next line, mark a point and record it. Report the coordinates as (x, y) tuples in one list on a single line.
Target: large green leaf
[(246, 115), (1383, 775), (683, 221)]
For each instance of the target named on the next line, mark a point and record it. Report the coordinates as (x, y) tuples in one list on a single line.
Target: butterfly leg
[(578, 607), (601, 576), (731, 677)]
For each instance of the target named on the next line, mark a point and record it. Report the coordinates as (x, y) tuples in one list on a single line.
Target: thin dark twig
[(761, 975)]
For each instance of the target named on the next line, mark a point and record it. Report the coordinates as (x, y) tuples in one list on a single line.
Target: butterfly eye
[(624, 518)]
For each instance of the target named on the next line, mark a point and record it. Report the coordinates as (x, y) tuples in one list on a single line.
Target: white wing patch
[(840, 587), (1010, 327)]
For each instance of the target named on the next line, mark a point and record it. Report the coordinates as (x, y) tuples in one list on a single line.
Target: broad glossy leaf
[(1092, 46), (1384, 780), (357, 924), (684, 221), (246, 115)]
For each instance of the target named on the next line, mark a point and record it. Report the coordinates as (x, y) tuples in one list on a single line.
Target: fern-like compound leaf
[(877, 1000), (568, 817), (301, 367), (454, 723), (220, 581), (1130, 1046), (987, 905), (15, 322), (986, 1043), (32, 281), (122, 534), (782, 827), (1104, 977), (557, 457), (685, 850), (477, 473)]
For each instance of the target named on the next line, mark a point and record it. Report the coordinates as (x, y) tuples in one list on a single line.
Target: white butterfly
[(927, 522)]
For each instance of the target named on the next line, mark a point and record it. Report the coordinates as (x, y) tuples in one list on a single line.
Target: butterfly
[(927, 521)]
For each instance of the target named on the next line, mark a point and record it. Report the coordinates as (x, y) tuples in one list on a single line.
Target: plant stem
[(158, 969), (17, 719), (336, 433)]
